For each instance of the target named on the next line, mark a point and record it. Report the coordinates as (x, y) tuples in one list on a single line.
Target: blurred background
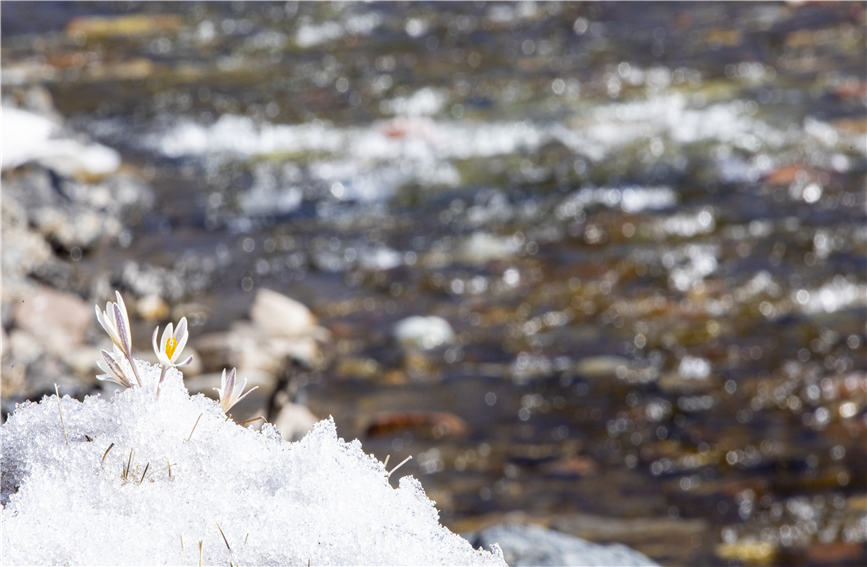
[(599, 267)]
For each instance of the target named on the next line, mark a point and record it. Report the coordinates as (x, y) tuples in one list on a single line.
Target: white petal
[(164, 340), (154, 341)]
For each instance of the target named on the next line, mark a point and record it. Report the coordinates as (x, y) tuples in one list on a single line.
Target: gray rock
[(534, 545)]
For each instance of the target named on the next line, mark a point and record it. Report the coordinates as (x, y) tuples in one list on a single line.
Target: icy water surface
[(645, 224)]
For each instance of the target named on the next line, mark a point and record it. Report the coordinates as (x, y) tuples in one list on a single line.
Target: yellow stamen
[(171, 345)]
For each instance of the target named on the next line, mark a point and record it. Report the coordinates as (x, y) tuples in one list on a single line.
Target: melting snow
[(318, 501)]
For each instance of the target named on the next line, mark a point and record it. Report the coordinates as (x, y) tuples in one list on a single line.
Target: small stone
[(426, 333)]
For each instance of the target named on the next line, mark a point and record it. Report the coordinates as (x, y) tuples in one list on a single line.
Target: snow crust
[(318, 501)]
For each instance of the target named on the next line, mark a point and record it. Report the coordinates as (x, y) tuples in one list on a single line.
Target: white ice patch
[(321, 501)]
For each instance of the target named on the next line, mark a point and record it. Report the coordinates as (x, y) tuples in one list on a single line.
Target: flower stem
[(162, 376), (134, 371)]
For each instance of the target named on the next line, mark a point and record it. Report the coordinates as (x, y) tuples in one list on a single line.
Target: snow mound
[(160, 490)]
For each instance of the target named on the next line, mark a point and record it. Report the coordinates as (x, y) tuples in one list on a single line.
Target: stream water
[(645, 224)]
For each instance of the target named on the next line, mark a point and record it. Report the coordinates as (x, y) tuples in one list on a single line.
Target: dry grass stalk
[(104, 455), (126, 466), (200, 553), (224, 537), (144, 473), (400, 464), (60, 410), (194, 426), (252, 419)]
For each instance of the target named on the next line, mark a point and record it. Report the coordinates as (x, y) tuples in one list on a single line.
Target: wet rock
[(429, 424), (294, 421), (535, 545), (58, 321), (426, 333)]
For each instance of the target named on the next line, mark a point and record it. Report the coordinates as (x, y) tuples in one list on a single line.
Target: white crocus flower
[(112, 368), (171, 344), (169, 349), (229, 395), (115, 321)]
